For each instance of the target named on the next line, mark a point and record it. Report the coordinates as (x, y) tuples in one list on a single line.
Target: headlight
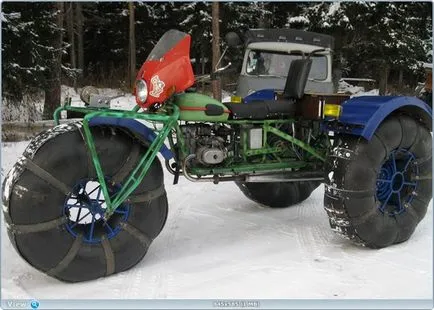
[(141, 91), (332, 110), (236, 99)]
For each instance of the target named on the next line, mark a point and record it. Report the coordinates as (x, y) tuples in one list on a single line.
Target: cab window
[(277, 64)]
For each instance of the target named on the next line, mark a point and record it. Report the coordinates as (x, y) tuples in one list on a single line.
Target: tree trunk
[(262, 20), (132, 58), (202, 58), (80, 48), (52, 89), (216, 90), (70, 26), (384, 75), (202, 63), (400, 78)]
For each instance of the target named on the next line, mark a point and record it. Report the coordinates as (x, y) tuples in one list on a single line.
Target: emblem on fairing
[(157, 86)]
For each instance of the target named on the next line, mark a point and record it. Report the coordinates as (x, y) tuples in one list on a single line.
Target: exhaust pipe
[(295, 176)]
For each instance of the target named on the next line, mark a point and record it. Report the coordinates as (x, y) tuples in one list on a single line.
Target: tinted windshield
[(266, 63), (166, 43)]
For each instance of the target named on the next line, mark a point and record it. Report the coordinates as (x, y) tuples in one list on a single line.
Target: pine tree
[(26, 49), (376, 40), (30, 44), (195, 19)]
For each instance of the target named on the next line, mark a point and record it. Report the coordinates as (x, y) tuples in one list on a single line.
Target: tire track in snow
[(261, 224), (349, 252), (164, 280), (158, 285), (311, 235)]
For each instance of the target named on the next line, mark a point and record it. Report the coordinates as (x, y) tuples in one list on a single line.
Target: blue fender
[(135, 126), (263, 94), (362, 115)]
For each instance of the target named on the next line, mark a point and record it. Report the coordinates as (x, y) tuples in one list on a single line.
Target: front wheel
[(377, 191), (53, 204)]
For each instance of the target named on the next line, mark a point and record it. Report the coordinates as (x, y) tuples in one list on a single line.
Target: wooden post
[(216, 90)]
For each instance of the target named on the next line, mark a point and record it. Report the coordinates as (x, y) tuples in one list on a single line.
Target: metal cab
[(269, 53)]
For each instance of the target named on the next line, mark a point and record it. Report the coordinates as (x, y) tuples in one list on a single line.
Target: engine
[(208, 142)]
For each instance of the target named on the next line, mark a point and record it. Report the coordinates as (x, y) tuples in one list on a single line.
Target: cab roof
[(285, 47), (289, 36)]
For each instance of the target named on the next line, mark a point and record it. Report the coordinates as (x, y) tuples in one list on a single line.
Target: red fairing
[(172, 73)]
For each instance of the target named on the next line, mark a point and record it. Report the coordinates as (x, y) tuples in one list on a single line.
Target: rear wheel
[(377, 191), (53, 204), (278, 194)]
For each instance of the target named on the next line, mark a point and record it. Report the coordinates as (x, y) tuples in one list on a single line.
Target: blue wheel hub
[(85, 207), (395, 188)]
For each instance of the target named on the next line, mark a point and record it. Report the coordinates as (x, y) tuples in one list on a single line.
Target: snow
[(187, 20), (334, 7), (29, 109), (345, 87), (226, 96), (355, 91), (298, 19), (372, 92), (219, 244), (5, 17)]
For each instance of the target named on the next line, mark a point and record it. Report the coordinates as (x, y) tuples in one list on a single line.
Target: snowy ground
[(219, 244)]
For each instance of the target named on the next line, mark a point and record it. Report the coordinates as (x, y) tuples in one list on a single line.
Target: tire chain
[(339, 220)]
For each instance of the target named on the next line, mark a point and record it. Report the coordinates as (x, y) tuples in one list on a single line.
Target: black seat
[(297, 78), (262, 109), (294, 90)]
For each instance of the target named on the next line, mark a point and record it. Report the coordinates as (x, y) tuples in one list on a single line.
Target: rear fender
[(139, 128), (362, 115)]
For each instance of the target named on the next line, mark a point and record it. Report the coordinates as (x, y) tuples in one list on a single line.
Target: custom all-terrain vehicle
[(87, 198)]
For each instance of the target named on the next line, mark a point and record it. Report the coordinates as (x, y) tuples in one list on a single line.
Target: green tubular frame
[(142, 168), (285, 136), (171, 124), (267, 126)]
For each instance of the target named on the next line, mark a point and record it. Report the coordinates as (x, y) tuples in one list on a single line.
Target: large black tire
[(37, 188), (377, 191), (278, 194)]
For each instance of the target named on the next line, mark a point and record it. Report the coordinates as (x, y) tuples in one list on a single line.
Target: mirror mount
[(232, 40), (223, 68), (220, 59), (215, 75)]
